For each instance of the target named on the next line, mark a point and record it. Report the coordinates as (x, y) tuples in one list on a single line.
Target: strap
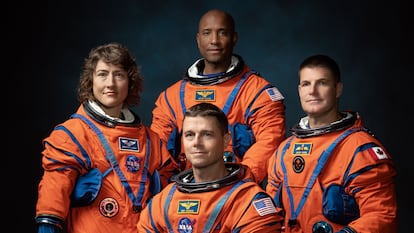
[(230, 99), (149, 206), (236, 89), (169, 105), (136, 200), (216, 211), (322, 160), (88, 164), (247, 114), (212, 219), (182, 88), (166, 207)]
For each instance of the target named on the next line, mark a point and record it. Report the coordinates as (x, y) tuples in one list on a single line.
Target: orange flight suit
[(73, 148), (256, 103), (359, 163), (236, 205)]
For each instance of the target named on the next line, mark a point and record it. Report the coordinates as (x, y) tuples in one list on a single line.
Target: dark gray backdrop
[(369, 40)]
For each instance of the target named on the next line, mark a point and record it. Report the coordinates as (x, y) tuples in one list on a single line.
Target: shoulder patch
[(264, 206), (274, 94), (377, 153)]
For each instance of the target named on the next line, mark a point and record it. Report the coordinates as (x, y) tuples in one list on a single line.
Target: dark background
[(370, 40)]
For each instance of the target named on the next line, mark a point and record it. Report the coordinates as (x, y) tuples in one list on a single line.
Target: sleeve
[(374, 190), (152, 218), (169, 166), (62, 162), (268, 124), (162, 119), (49, 224), (274, 181), (163, 164), (260, 216)]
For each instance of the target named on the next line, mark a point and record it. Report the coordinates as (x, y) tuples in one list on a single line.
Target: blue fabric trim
[(110, 156)]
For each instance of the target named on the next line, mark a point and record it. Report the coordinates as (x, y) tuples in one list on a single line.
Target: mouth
[(313, 101), (110, 93), (214, 51), (198, 153)]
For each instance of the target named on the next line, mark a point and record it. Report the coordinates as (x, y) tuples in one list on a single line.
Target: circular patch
[(132, 163), (298, 164), (185, 225), (109, 207)]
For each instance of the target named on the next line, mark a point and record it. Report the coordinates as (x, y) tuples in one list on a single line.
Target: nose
[(312, 88), (214, 38), (197, 140), (110, 81)]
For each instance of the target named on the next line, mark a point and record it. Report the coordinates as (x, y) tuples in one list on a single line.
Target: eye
[(208, 134), (224, 33), (101, 74), (120, 75), (323, 82), (188, 134)]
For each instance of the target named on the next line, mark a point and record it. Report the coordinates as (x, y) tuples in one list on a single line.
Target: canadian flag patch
[(377, 153)]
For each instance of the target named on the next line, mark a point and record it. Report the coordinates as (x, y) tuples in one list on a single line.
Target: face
[(110, 87), (216, 39), (318, 92), (203, 141)]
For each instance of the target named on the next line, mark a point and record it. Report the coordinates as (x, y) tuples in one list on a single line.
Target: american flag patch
[(274, 94), (377, 153), (264, 206)]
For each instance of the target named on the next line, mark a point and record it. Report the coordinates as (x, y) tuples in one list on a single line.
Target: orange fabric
[(374, 188), (61, 170), (237, 212), (267, 123)]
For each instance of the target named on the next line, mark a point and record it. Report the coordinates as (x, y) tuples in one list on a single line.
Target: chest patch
[(128, 144), (205, 95), (188, 206), (298, 164), (302, 148)]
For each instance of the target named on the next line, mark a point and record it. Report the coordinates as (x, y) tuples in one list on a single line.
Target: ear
[(198, 39), (235, 38), (339, 88), (227, 138)]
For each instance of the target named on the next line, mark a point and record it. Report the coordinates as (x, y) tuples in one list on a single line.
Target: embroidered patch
[(188, 206), (205, 95), (274, 94), (377, 153), (298, 164), (132, 163), (108, 207), (185, 225), (128, 144), (264, 206), (302, 148)]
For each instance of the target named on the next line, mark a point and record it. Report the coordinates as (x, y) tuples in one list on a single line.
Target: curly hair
[(115, 54)]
